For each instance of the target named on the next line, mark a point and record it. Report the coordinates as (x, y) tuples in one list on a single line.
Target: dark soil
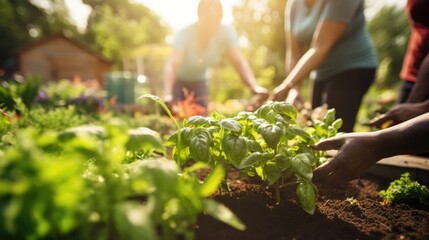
[(350, 211)]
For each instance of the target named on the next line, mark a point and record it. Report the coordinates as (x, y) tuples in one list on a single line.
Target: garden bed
[(351, 211)]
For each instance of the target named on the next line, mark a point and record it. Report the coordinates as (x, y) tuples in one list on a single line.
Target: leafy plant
[(80, 184), (404, 190), (266, 143), (26, 91)]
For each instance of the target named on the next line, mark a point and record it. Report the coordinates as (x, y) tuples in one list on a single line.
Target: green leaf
[(212, 182), (187, 135), (262, 111), (235, 148), (172, 140), (302, 166), (307, 194), (162, 174), (223, 214), (293, 131), (145, 139), (285, 108), (271, 133), (254, 146), (134, 222), (230, 124), (197, 121), (329, 117), (217, 116), (272, 172), (337, 123), (181, 154), (200, 145), (250, 160), (282, 161)]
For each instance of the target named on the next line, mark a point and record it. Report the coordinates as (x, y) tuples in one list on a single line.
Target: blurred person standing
[(328, 40), (199, 46)]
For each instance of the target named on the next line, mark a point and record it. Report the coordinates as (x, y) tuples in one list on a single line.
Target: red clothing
[(418, 45)]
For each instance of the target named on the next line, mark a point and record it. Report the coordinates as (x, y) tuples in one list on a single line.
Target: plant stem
[(277, 192)]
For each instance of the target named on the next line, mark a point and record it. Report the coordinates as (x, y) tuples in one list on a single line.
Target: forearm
[(308, 62), (246, 74), (410, 137)]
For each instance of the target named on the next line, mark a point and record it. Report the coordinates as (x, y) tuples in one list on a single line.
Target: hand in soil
[(357, 152)]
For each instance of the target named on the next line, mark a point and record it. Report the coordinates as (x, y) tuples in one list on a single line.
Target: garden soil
[(350, 211)]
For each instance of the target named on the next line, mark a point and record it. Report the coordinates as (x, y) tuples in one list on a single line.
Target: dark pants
[(197, 90), (344, 92)]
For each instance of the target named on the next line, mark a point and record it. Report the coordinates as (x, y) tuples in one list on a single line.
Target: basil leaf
[(306, 193), (235, 148)]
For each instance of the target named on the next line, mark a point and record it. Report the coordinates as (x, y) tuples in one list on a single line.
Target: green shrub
[(404, 190)]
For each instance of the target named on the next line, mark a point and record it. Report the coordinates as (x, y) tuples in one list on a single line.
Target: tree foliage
[(390, 31), (115, 27), (22, 21), (261, 22)]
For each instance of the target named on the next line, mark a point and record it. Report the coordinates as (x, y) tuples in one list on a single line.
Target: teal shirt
[(354, 49), (195, 63)]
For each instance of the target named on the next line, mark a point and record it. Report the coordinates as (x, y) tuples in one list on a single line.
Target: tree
[(261, 23), (116, 27), (390, 31)]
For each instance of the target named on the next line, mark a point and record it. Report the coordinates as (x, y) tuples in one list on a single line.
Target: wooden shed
[(59, 57)]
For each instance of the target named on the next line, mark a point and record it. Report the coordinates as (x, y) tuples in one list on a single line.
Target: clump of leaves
[(80, 184), (267, 143), (405, 190)]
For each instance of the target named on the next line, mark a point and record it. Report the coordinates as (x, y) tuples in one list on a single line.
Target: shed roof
[(77, 43)]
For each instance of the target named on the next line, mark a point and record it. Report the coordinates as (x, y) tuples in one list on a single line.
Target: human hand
[(259, 90), (397, 114), (281, 91), (357, 152), (295, 98), (260, 95)]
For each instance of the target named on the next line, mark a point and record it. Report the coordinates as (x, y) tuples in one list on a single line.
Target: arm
[(327, 33), (357, 152), (400, 113), (170, 74), (292, 56), (244, 70), (417, 103)]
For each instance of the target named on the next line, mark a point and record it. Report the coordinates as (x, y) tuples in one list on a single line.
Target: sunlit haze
[(175, 13)]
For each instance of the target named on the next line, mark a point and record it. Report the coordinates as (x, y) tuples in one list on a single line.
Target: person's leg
[(345, 92), (420, 90), (317, 94)]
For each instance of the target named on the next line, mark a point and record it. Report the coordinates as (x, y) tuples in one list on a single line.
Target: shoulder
[(226, 28), (291, 6), (184, 35), (228, 34), (187, 30), (342, 10), (341, 5)]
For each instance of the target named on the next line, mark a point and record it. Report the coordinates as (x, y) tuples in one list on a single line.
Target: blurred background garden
[(104, 54)]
